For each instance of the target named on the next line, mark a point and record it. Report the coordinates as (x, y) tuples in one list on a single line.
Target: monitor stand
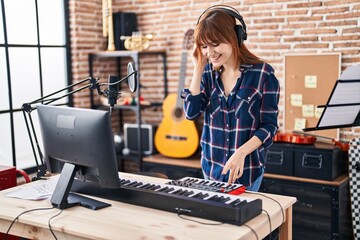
[(63, 199)]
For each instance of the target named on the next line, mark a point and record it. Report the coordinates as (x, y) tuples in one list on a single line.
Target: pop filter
[(132, 80)]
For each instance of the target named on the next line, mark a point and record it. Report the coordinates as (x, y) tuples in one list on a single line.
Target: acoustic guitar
[(177, 137)]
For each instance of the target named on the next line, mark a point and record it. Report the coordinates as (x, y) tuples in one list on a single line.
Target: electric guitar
[(177, 137)]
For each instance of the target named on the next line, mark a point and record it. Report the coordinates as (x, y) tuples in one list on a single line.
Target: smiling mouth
[(215, 58)]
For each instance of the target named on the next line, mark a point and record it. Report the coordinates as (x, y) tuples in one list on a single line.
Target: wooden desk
[(126, 221)]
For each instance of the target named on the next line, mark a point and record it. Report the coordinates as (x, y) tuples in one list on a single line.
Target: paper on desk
[(42, 189)]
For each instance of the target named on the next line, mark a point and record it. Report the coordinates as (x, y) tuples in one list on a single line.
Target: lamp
[(111, 93)]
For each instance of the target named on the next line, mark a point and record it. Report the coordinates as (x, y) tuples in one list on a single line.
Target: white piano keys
[(232, 198)]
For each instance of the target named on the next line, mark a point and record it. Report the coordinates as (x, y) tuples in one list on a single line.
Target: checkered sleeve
[(269, 110), (193, 106)]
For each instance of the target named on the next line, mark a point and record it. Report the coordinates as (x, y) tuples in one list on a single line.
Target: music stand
[(343, 110), (343, 106)]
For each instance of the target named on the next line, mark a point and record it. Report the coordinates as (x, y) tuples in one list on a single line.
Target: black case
[(319, 161), (125, 23), (279, 159)]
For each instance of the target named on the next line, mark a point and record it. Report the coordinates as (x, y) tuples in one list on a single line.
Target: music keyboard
[(177, 199), (209, 185)]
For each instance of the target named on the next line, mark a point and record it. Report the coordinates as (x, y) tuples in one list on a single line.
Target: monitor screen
[(79, 144)]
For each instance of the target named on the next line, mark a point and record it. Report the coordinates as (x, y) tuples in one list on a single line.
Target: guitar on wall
[(176, 136)]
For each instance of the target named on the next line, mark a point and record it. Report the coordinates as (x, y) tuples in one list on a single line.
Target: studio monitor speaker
[(147, 138), (125, 23)]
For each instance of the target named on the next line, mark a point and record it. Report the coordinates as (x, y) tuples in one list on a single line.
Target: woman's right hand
[(198, 70), (196, 56)]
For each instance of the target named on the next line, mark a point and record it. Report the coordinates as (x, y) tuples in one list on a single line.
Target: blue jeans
[(255, 186)]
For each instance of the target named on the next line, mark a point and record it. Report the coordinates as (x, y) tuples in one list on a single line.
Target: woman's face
[(218, 53)]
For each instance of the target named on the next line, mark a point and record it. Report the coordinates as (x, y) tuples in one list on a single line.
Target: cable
[(268, 215), (269, 219), (282, 210), (257, 237), (17, 217), (50, 223)]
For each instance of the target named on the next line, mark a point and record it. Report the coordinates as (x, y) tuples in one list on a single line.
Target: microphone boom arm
[(94, 84), (27, 108)]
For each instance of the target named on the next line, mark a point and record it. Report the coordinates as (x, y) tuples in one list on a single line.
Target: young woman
[(238, 94)]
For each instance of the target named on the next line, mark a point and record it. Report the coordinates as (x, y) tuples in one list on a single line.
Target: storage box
[(319, 161), (316, 161), (7, 177), (279, 159)]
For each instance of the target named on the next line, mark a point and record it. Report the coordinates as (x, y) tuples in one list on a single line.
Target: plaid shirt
[(250, 109)]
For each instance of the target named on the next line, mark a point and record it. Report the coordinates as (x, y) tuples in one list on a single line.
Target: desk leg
[(286, 228)]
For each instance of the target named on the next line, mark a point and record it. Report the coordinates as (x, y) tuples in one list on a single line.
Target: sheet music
[(42, 189), (343, 106), (351, 73), (345, 93), (334, 116)]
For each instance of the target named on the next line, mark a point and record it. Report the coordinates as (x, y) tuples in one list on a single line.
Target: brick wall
[(275, 28)]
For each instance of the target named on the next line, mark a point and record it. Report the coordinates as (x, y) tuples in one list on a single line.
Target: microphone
[(113, 93)]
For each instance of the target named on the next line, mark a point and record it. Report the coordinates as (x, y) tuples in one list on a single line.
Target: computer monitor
[(79, 144)]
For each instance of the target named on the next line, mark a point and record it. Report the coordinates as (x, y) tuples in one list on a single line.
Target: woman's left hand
[(236, 166)]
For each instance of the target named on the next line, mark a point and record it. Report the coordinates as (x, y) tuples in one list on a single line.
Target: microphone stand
[(27, 108)]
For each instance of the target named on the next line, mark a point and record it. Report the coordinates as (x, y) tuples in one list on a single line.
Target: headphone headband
[(240, 29)]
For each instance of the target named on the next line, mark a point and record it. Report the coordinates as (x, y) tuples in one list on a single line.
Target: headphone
[(239, 29)]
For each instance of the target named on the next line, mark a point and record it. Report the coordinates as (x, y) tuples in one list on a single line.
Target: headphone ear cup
[(239, 33)]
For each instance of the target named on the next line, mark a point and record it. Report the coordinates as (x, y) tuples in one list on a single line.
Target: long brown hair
[(216, 26)]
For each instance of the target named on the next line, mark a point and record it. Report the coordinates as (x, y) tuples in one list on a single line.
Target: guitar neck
[(182, 77), (177, 137)]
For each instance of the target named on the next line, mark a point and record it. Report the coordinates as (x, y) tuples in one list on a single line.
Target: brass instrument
[(137, 42), (108, 27)]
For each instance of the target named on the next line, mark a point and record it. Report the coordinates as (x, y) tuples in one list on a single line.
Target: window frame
[(68, 74)]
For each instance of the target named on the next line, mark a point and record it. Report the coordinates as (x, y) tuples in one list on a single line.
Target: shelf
[(135, 56), (337, 182), (127, 107), (125, 53)]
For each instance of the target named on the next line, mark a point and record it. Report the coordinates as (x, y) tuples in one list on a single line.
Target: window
[(34, 62)]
